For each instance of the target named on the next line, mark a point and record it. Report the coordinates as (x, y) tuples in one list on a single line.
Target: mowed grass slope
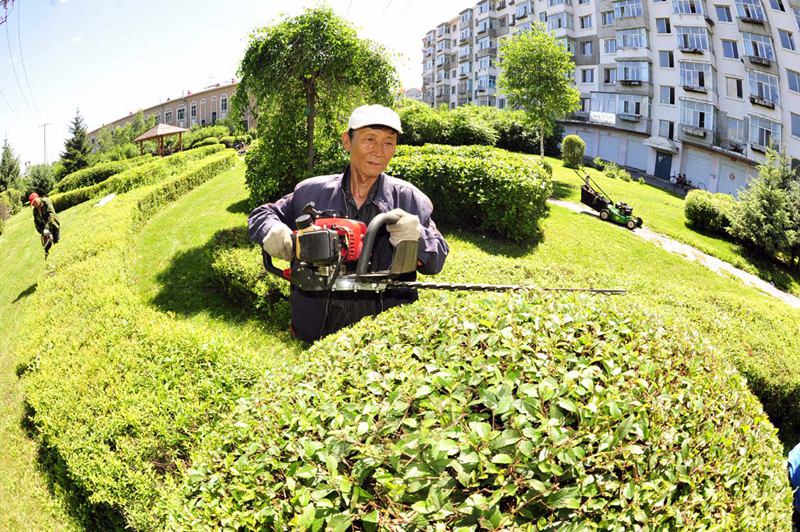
[(25, 500), (662, 211)]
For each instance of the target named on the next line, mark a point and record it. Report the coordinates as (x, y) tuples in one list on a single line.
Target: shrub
[(572, 149), (38, 178), (709, 211), (422, 124), (12, 198), (199, 133), (611, 169), (501, 413), (228, 141), (209, 141), (156, 170), (97, 173), (466, 127), (479, 187)]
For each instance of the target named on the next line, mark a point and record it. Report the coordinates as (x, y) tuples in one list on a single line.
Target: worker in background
[(46, 221), (794, 480), (362, 192)]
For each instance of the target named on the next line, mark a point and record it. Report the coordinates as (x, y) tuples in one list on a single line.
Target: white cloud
[(77, 39)]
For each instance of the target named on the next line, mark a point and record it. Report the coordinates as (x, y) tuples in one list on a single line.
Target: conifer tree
[(9, 168), (76, 149)]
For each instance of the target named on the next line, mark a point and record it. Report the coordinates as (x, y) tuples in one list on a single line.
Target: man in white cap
[(362, 192)]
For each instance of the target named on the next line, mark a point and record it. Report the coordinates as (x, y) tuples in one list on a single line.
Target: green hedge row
[(501, 413), (151, 172), (10, 205), (479, 187), (97, 173), (119, 391), (709, 211), (209, 141)]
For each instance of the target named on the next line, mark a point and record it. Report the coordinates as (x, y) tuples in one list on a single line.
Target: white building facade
[(698, 87)]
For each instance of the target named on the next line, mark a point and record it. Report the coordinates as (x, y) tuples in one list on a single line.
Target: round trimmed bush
[(572, 150), (494, 413), (709, 211), (478, 187)]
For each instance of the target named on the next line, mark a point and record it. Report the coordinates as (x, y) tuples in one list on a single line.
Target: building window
[(797, 16), (608, 18), (734, 87), (587, 75), (610, 46), (794, 80), (696, 75), (787, 41), (628, 8), (723, 14), (764, 132), (631, 39), (586, 22), (687, 7), (610, 75), (633, 71), (777, 5), (560, 21), (630, 104), (750, 9), (795, 125), (223, 104), (501, 103), (666, 59), (583, 1), (692, 37), (522, 10), (586, 48), (586, 105), (168, 117), (697, 114), (181, 112), (730, 49), (757, 45), (453, 89), (764, 86), (668, 95), (666, 129), (735, 129), (662, 25)]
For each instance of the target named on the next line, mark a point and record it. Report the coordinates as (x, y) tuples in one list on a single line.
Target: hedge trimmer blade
[(471, 287)]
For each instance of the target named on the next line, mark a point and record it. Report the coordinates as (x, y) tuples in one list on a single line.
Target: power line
[(22, 59), (384, 13), (44, 131), (8, 104), (14, 68)]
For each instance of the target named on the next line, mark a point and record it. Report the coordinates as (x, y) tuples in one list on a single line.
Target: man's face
[(37, 202), (370, 149)]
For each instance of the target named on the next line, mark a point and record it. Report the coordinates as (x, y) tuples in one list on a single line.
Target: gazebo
[(159, 132)]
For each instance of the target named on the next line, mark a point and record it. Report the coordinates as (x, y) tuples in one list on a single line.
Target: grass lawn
[(25, 501), (662, 211)]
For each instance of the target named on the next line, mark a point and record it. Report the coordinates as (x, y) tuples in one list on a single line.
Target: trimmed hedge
[(479, 187), (97, 173), (209, 141), (572, 149), (709, 211), (501, 413), (152, 172)]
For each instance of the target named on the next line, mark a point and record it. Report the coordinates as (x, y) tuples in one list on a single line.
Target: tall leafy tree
[(39, 178), (76, 149), (537, 77), (9, 168), (305, 74)]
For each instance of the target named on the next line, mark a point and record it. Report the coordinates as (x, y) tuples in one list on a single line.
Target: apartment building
[(193, 108), (698, 87)]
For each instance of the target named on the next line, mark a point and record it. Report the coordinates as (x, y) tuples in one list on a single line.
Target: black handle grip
[(369, 239), (270, 267)]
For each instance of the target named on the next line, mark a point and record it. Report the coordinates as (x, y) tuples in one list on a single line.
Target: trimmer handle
[(369, 239), (271, 268)]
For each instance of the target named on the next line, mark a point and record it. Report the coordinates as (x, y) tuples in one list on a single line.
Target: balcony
[(752, 20), (630, 82), (691, 50), (758, 147), (763, 102), (486, 51), (580, 116), (627, 117), (695, 88), (696, 132), (758, 60)]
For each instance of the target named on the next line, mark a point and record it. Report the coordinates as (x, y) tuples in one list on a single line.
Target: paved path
[(690, 253)]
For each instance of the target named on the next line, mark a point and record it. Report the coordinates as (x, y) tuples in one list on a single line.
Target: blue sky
[(112, 57)]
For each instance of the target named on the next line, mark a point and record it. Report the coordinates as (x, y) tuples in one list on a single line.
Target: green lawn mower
[(595, 197)]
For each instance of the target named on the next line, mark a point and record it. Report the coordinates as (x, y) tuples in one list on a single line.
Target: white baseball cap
[(374, 115)]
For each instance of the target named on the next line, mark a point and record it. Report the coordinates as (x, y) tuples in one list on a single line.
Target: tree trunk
[(311, 109), (541, 142)]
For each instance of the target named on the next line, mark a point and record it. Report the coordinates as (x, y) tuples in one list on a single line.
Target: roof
[(160, 130)]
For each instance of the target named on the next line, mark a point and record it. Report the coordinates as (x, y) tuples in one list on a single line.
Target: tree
[(39, 178), (304, 76), (9, 168), (537, 77), (763, 217), (76, 149)]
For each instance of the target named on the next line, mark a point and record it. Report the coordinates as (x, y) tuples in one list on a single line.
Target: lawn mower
[(332, 253), (595, 197)]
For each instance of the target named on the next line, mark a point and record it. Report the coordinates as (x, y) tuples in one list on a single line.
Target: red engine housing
[(351, 231)]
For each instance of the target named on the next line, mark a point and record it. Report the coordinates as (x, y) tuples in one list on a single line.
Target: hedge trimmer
[(331, 253)]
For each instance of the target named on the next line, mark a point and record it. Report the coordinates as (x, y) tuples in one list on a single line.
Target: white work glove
[(406, 228), (278, 242)]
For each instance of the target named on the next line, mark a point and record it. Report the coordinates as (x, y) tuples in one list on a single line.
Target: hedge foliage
[(478, 187), (97, 173), (572, 149), (209, 141), (198, 133), (118, 390), (497, 413), (709, 211), (145, 174), (10, 205)]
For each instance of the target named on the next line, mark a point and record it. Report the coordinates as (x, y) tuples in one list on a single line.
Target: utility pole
[(44, 130)]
